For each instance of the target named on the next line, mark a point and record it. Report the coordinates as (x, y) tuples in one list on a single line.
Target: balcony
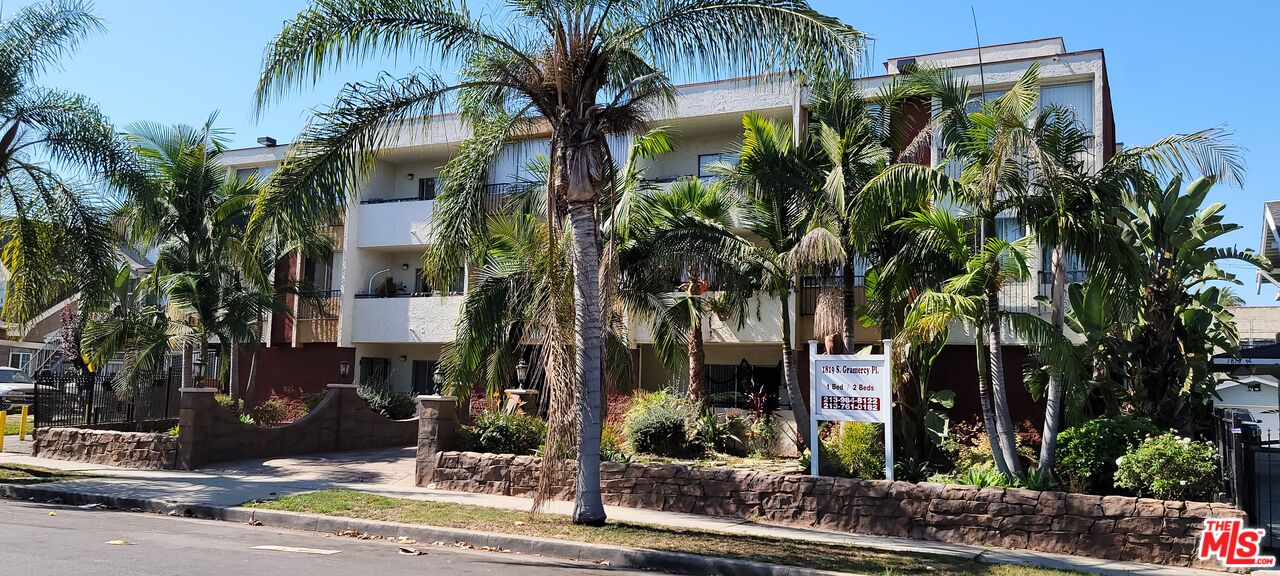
[(318, 318), (394, 223), (406, 318)]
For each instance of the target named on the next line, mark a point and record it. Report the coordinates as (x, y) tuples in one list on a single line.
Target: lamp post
[(344, 370), (522, 373), (438, 378), (197, 368)]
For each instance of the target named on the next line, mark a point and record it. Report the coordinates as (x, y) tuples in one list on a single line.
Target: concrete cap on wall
[(436, 398), (201, 390), (340, 386)]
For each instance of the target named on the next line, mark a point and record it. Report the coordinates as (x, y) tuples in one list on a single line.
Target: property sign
[(852, 388)]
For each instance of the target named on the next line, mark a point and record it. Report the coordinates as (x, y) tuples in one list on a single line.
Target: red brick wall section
[(291, 372), (1112, 527), (343, 421)]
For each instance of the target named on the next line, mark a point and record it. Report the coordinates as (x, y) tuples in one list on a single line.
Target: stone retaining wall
[(145, 450), (208, 433), (1112, 527)]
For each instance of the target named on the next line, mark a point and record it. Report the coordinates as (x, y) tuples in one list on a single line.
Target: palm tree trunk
[(588, 507), (233, 364), (999, 397), (984, 400), (792, 377), (1053, 396), (697, 364), (848, 299)]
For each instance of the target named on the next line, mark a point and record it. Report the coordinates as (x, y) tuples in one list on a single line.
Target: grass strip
[(821, 555), (23, 474)]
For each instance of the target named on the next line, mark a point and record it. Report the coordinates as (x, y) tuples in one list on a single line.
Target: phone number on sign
[(869, 404)]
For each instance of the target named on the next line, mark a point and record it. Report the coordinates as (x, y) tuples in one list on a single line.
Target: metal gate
[(1250, 460)]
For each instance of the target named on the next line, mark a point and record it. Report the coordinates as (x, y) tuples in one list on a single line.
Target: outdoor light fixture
[(411, 176), (404, 358), (344, 368), (438, 378), (522, 371), (404, 266), (197, 368)]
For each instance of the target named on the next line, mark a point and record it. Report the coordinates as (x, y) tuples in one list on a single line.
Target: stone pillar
[(520, 401), (195, 426), (347, 430), (437, 432)]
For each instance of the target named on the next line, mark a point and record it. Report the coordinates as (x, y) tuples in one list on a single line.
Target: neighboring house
[(399, 334)]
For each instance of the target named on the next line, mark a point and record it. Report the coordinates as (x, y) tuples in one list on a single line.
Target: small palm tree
[(56, 230), (577, 71)]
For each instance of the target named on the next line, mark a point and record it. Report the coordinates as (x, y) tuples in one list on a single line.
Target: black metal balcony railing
[(323, 305), (811, 286), (1046, 279)]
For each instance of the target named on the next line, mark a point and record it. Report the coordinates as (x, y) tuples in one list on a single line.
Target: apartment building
[(393, 325)]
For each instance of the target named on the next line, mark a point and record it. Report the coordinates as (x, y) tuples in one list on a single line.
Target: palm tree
[(675, 289), (577, 71), (56, 230), (1077, 210), (779, 180)]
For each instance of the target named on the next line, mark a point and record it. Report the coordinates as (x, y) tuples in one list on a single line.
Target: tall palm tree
[(576, 69), (55, 230), (779, 179), (1076, 207)]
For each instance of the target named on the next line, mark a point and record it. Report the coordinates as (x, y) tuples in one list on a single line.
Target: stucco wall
[(394, 224), (420, 319)]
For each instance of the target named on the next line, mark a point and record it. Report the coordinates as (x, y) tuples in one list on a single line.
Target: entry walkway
[(390, 472)]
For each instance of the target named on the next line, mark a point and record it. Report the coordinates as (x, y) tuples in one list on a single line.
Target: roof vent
[(267, 141)]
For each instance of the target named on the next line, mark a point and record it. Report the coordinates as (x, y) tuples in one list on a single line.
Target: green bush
[(385, 400), (723, 433), (1087, 453), (225, 401), (762, 437), (657, 424), (503, 433), (1170, 467), (270, 412), (312, 399), (856, 449)]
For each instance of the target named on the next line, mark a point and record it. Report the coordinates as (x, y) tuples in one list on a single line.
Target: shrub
[(225, 401), (611, 443), (1170, 467), (172, 431), (1087, 453), (503, 433), (762, 437), (722, 433), (983, 476), (312, 399), (271, 412), (656, 424), (385, 400), (856, 449), (912, 470)]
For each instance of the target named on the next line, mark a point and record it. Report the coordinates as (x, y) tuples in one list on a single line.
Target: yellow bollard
[(4, 421), (22, 423)]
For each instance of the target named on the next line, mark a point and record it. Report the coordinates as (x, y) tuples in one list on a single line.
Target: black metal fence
[(1250, 460), (811, 286), (73, 401), (739, 386)]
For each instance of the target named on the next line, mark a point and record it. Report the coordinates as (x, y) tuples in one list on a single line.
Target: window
[(706, 162), (19, 359), (426, 188), (243, 174), (1009, 229), (424, 377), (375, 371), (424, 288), (318, 273)]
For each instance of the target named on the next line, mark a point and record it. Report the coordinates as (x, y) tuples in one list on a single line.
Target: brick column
[(437, 432), (195, 426)]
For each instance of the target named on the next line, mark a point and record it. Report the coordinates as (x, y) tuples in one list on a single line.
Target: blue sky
[(1174, 66)]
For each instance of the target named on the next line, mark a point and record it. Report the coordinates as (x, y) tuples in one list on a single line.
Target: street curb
[(615, 556)]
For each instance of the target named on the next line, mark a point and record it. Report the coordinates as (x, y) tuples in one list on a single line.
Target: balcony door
[(424, 377)]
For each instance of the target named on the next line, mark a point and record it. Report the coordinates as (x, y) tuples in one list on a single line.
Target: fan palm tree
[(675, 289), (576, 70), (56, 230)]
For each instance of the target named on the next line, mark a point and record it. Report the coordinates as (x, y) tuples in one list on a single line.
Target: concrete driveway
[(384, 466)]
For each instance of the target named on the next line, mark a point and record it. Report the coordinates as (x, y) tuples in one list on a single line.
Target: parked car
[(15, 387)]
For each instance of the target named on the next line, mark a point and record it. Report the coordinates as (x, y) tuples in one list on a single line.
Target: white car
[(15, 387)]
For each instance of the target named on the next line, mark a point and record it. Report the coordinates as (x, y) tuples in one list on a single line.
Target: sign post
[(851, 388)]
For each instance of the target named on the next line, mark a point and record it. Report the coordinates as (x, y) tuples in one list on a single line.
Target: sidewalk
[(390, 473)]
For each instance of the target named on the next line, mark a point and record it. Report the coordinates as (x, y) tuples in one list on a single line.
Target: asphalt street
[(74, 541)]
